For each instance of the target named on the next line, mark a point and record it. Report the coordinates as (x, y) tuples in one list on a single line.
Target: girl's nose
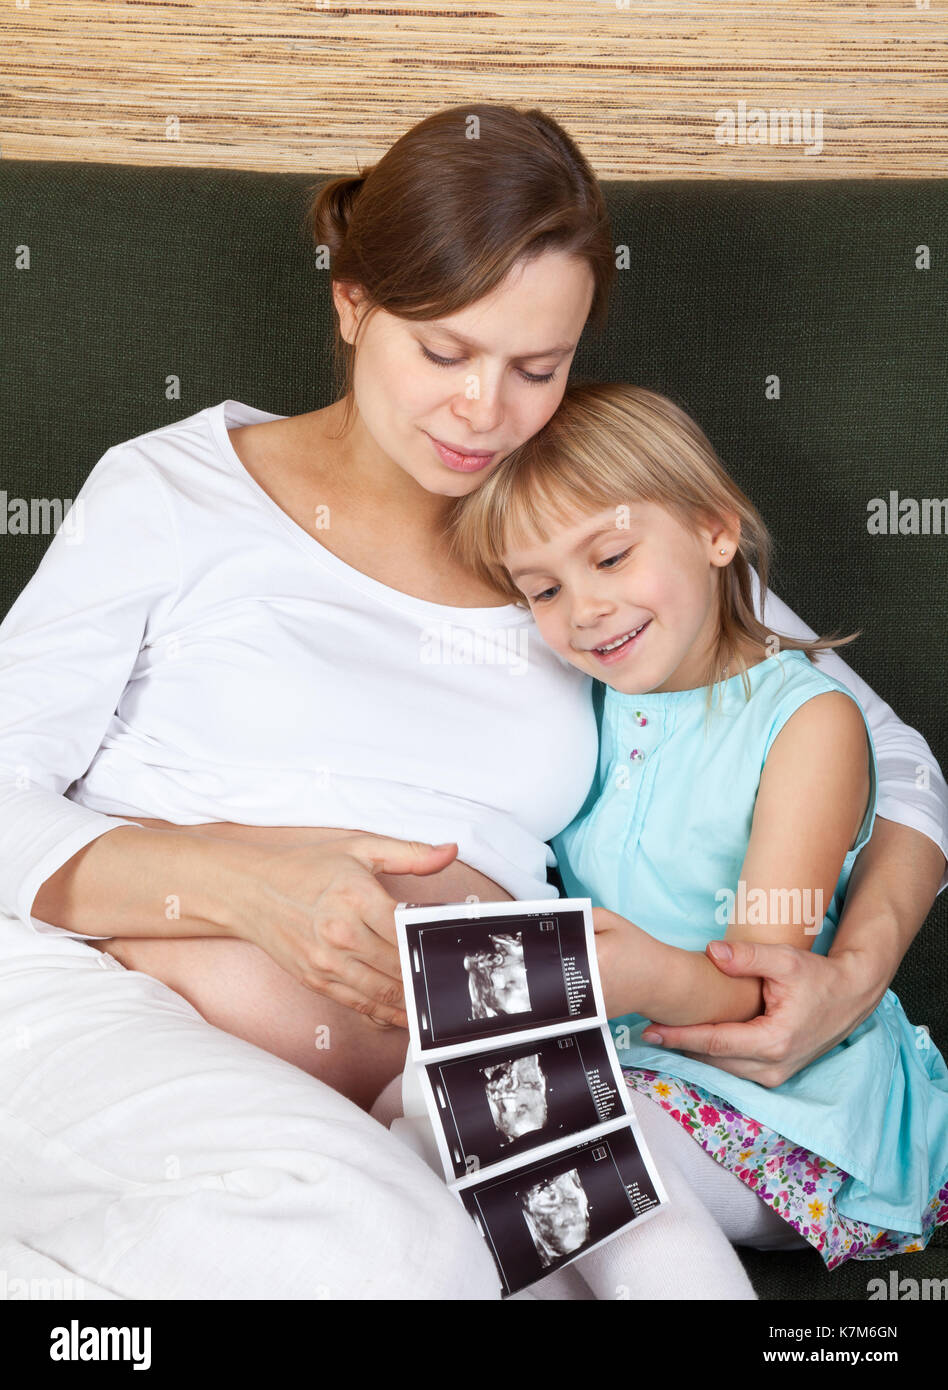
[(590, 608)]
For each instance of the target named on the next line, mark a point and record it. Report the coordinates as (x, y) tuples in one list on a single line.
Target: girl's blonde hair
[(610, 445)]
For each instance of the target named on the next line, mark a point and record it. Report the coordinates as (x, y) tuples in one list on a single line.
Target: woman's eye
[(613, 559), (453, 362), (439, 361)]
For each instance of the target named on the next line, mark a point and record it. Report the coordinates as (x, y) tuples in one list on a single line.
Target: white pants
[(146, 1154)]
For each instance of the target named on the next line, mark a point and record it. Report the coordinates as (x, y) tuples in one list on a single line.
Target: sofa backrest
[(797, 322)]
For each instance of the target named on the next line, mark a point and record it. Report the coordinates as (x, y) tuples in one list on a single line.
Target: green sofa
[(153, 292)]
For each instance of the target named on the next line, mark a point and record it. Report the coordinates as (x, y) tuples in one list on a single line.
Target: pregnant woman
[(251, 703)]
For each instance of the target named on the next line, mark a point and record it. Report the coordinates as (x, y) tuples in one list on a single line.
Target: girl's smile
[(617, 647)]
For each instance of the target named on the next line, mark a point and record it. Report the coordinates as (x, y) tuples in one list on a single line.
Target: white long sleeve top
[(186, 651)]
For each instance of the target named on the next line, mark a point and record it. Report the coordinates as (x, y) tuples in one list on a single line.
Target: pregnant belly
[(237, 987)]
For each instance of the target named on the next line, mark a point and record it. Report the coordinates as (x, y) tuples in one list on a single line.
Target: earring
[(722, 552)]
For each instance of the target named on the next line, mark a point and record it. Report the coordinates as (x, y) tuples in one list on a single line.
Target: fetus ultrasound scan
[(477, 978), (513, 1068), (557, 1215), (552, 1209), (490, 1105), (497, 977), (516, 1094)]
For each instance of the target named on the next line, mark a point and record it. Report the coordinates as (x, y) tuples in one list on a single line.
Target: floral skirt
[(799, 1185)]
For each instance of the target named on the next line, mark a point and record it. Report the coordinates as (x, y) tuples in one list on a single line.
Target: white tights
[(683, 1252)]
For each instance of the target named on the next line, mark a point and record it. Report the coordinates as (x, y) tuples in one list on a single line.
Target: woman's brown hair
[(611, 445), (450, 208)]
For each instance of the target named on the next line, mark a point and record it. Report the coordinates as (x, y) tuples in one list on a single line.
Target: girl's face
[(417, 382), (593, 584)]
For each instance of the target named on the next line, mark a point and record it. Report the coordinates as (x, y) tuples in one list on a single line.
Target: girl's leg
[(743, 1217), (154, 1156), (679, 1253)]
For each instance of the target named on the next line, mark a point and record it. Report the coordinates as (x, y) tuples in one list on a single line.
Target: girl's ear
[(723, 534)]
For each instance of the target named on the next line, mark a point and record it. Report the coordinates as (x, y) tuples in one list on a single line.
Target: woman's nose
[(481, 404)]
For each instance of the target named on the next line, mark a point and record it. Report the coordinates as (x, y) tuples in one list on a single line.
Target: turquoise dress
[(664, 829)]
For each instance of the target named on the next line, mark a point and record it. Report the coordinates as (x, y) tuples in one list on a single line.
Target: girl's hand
[(616, 940), (811, 1002)]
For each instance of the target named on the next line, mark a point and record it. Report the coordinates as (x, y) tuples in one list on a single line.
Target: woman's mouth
[(619, 647), (461, 463)]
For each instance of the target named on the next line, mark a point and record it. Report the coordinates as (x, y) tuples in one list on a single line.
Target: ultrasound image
[(497, 979), (557, 1215), (516, 1094)]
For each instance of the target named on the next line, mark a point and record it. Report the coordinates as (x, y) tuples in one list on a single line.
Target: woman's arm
[(318, 910), (912, 791), (813, 1002), (69, 646), (894, 881)]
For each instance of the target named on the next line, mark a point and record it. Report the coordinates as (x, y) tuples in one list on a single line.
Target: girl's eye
[(613, 559), (453, 362), (539, 598)]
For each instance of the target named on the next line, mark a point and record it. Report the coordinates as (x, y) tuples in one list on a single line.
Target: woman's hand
[(811, 1003), (321, 914)]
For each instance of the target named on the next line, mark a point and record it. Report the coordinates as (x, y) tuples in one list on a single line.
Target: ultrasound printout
[(479, 977), (514, 1098), (545, 1213), (517, 1070)]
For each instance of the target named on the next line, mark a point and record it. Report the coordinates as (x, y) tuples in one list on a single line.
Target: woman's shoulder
[(191, 461), (173, 484)]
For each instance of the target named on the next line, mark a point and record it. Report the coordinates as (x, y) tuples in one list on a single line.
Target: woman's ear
[(349, 302)]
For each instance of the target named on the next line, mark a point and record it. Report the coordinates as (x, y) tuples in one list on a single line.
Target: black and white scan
[(516, 1094), (554, 1209), (497, 977), (475, 979), (557, 1215), (515, 1071)]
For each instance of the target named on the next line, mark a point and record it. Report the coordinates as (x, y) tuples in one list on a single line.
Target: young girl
[(736, 785)]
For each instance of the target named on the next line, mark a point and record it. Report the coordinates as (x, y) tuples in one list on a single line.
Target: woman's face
[(507, 359)]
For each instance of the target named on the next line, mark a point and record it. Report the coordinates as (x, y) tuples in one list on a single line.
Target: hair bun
[(330, 210)]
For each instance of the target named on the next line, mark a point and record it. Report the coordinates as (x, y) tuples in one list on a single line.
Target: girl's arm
[(813, 1002), (813, 797)]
